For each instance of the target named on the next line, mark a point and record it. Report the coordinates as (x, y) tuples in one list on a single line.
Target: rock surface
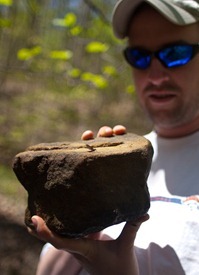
[(82, 187)]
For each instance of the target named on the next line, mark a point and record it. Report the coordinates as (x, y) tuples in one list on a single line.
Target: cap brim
[(124, 10)]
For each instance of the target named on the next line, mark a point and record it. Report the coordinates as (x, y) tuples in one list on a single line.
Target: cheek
[(188, 78), (139, 80)]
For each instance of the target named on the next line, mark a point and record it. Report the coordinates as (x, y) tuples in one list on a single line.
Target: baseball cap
[(180, 12)]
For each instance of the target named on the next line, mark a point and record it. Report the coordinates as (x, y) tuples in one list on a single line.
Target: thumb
[(41, 231), (128, 234)]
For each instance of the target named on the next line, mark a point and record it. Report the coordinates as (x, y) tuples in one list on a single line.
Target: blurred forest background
[(61, 72)]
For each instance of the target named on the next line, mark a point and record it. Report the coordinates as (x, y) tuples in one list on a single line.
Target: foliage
[(6, 2), (61, 72)]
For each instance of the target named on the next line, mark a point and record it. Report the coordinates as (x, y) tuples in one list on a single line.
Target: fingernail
[(35, 223), (108, 132)]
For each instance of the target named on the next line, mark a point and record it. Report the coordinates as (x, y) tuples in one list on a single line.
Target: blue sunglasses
[(170, 56)]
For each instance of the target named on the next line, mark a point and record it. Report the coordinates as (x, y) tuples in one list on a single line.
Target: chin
[(166, 119), (166, 123)]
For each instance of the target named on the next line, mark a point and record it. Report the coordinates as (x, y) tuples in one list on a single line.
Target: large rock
[(83, 187)]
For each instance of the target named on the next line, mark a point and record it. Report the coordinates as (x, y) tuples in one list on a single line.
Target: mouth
[(161, 97)]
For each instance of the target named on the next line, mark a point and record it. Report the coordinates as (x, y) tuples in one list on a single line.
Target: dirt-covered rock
[(82, 187)]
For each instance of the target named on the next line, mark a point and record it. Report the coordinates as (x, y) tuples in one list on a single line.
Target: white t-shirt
[(169, 242)]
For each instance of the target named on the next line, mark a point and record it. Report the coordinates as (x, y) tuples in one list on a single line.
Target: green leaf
[(96, 47), (63, 55), (26, 54), (74, 73), (6, 2), (70, 19), (36, 50), (87, 76), (23, 54), (130, 89), (100, 82), (97, 80), (109, 70), (59, 22), (75, 31)]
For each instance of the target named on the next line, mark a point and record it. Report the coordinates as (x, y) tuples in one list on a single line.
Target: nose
[(157, 73)]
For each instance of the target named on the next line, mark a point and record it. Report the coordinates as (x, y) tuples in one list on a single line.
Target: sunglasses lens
[(136, 58), (175, 56)]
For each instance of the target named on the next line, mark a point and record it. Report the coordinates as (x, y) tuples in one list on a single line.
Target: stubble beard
[(173, 118)]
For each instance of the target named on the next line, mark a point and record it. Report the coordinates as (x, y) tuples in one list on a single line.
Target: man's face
[(169, 96)]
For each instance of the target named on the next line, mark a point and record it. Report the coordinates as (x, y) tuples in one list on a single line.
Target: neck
[(179, 131)]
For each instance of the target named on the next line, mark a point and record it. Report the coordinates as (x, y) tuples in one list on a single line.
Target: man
[(163, 47)]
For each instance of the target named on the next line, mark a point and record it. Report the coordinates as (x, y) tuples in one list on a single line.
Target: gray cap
[(180, 12)]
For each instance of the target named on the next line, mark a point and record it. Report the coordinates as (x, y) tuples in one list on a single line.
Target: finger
[(78, 246), (119, 130), (128, 234), (41, 230), (87, 135), (140, 220), (105, 131), (95, 236)]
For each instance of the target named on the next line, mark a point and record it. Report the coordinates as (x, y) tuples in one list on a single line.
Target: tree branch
[(96, 10)]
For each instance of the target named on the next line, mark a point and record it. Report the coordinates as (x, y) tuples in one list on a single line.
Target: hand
[(105, 131), (97, 253)]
